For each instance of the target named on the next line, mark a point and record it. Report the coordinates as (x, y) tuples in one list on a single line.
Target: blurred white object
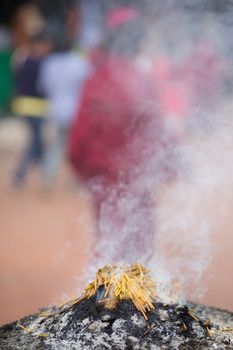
[(61, 79)]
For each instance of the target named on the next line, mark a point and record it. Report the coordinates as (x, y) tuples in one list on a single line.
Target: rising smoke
[(190, 46)]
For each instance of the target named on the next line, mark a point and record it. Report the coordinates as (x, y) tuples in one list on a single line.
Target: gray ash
[(88, 325)]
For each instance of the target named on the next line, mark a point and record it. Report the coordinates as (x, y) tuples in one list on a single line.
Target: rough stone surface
[(89, 325)]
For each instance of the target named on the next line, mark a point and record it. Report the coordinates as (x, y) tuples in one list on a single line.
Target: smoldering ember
[(119, 310)]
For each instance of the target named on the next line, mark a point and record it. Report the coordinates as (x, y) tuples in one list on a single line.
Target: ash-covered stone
[(88, 326)]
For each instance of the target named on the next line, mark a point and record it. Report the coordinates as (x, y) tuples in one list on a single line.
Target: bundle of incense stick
[(113, 284), (123, 283)]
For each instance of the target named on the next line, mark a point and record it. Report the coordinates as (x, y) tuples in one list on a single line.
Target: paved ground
[(45, 237)]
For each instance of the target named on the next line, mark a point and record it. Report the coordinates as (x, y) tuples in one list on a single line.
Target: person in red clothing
[(116, 137)]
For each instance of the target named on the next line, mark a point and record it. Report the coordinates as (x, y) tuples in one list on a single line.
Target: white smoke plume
[(184, 215)]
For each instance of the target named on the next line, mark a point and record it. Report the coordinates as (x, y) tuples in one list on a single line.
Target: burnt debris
[(89, 325), (120, 309)]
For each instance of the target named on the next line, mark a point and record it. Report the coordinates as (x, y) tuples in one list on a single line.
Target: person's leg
[(132, 232), (32, 152), (54, 154), (38, 146)]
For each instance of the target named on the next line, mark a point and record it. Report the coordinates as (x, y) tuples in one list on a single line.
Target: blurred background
[(48, 51)]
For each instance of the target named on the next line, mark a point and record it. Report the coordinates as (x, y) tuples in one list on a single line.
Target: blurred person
[(175, 96), (187, 85), (27, 21), (62, 76), (115, 134), (204, 70), (189, 68), (29, 101), (61, 14)]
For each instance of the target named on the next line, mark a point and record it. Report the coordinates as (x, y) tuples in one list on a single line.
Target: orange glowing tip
[(123, 282)]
